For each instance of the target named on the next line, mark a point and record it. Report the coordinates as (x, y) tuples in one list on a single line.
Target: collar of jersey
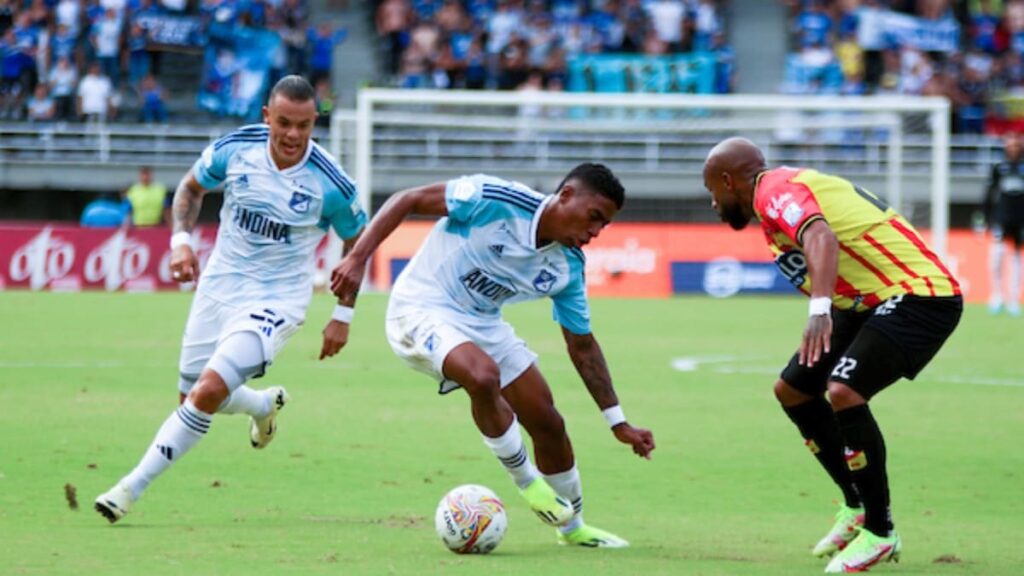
[(298, 165), (535, 223)]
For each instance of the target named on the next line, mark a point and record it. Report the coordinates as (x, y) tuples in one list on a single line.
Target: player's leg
[(473, 369), (801, 393), (995, 267), (531, 399), (237, 357), (479, 376), (1016, 233), (899, 339), (425, 341)]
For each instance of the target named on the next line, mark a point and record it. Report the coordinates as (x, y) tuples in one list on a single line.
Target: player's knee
[(550, 426), (787, 395), (209, 392), (842, 396), (484, 380)]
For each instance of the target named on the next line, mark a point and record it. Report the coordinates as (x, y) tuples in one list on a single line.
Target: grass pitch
[(367, 448)]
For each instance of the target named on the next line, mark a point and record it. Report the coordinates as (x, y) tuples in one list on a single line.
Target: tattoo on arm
[(188, 199), (590, 364)]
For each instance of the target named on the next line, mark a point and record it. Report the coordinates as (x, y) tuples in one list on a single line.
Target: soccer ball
[(471, 519)]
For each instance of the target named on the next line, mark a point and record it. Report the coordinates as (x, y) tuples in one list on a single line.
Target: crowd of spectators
[(967, 51), (508, 44), (66, 60)]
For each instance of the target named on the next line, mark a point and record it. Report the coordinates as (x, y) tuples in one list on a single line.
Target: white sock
[(995, 268), (1013, 294), (511, 451), (180, 432), (567, 485), (245, 400)]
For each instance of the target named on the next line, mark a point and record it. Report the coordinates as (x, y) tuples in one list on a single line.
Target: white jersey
[(272, 220), (484, 254)]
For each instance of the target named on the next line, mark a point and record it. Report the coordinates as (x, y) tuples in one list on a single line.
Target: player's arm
[(336, 331), (347, 276), (589, 361), (188, 199), (821, 249)]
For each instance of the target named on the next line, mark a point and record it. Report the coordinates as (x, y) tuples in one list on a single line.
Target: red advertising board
[(627, 260), (72, 258)]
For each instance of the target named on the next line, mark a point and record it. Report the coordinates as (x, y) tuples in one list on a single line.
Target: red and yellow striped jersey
[(880, 253)]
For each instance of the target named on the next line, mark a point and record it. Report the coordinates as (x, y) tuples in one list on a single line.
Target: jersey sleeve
[(345, 215), (571, 308), (464, 197), (789, 207), (212, 167)]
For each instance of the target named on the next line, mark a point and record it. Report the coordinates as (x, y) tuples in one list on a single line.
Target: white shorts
[(210, 321), (424, 338)]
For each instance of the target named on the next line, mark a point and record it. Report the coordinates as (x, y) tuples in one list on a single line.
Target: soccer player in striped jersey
[(500, 242), (281, 194), (882, 304)]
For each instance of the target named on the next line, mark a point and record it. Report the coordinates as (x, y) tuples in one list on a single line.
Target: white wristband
[(614, 416), (820, 306), (180, 239), (343, 314)]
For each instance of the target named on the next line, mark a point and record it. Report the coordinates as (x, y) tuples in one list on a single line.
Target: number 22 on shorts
[(844, 367)]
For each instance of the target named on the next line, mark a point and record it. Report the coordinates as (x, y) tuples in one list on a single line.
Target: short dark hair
[(293, 87), (599, 179)]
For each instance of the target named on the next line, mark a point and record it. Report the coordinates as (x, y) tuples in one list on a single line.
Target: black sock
[(817, 424), (866, 459)]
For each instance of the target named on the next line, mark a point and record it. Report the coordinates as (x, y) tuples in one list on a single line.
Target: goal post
[(899, 145)]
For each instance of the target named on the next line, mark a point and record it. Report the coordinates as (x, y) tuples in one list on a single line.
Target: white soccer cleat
[(114, 503), (866, 550), (848, 522), (262, 430)]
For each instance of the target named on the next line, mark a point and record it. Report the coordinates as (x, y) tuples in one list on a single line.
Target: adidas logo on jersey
[(497, 249)]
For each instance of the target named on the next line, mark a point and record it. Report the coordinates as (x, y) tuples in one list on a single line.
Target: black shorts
[(870, 350)]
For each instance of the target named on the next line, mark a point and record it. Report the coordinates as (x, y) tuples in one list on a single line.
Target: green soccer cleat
[(866, 550), (848, 521), (591, 537), (552, 509)]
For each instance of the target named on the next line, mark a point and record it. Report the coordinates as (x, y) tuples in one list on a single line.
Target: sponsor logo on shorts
[(432, 342), (812, 446)]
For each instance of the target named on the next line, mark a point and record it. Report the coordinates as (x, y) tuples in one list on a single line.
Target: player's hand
[(817, 340), (184, 264), (347, 278), (640, 439), (335, 338)]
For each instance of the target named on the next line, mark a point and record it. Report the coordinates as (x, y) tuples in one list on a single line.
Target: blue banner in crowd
[(236, 71), (725, 277), (687, 73), (169, 30), (927, 35)]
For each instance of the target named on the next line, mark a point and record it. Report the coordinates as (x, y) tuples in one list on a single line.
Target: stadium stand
[(968, 52)]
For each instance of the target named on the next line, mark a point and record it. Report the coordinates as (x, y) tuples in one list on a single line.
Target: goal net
[(895, 147)]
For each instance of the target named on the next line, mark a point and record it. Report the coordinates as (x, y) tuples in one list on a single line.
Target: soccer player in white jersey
[(500, 242), (281, 193)]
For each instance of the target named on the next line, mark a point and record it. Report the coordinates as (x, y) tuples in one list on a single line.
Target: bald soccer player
[(881, 305)]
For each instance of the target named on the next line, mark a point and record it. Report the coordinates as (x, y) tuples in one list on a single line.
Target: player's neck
[(544, 236)]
